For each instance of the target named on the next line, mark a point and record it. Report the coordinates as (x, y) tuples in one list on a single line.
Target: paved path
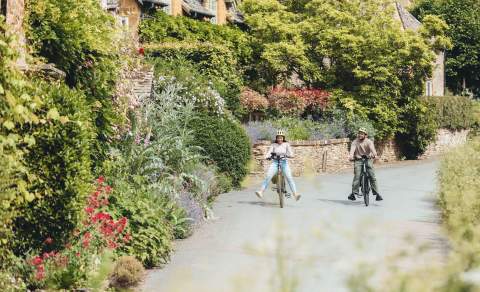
[(316, 243)]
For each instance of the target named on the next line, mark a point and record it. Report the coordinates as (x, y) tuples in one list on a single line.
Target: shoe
[(259, 194), (379, 198), (352, 197), (297, 197)]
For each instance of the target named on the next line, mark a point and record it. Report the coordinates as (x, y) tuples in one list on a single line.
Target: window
[(168, 8), (124, 20), (429, 89), (3, 7), (213, 8)]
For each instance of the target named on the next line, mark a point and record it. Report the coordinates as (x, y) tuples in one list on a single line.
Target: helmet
[(363, 130), (281, 133)]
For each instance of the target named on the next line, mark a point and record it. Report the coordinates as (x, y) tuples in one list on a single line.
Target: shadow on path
[(259, 203), (358, 202)]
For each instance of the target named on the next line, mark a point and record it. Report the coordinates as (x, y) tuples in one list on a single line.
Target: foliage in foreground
[(459, 200)]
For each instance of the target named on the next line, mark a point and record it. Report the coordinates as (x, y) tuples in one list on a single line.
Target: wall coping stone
[(305, 142)]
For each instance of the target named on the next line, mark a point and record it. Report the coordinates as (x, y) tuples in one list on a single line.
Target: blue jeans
[(286, 172)]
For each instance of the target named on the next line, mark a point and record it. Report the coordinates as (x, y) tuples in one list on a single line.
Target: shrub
[(286, 102), (128, 272), (194, 89), (151, 233), (60, 162), (452, 112), (74, 264), (459, 189), (215, 62), (333, 125), (224, 142), (419, 129), (165, 28), (252, 100), (78, 37)]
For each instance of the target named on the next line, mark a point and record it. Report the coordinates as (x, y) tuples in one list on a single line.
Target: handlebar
[(277, 157), (364, 157)]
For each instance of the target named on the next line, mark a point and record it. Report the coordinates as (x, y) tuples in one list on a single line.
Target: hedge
[(452, 112), (225, 143)]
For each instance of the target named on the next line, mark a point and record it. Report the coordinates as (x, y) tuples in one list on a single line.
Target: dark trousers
[(356, 178)]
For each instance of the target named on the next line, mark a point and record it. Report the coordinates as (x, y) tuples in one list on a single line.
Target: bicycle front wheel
[(281, 189), (365, 190)]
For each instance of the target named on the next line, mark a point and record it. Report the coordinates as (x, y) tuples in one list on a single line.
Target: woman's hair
[(284, 139)]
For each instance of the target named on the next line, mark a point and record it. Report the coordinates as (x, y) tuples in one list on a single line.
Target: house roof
[(236, 16), (160, 2), (195, 7), (408, 20)]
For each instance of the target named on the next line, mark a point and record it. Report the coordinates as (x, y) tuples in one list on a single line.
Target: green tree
[(277, 41), (463, 59), (355, 46)]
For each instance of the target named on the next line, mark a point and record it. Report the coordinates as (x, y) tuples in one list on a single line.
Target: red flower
[(100, 179), (100, 216), (37, 261), (48, 240), (141, 51), (108, 189), (127, 237), (39, 275), (112, 244), (86, 239), (77, 254), (89, 210)]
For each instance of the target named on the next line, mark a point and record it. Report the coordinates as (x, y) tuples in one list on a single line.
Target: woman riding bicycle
[(282, 148)]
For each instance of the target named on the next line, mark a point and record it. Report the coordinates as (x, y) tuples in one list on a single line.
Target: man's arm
[(372, 149), (353, 147)]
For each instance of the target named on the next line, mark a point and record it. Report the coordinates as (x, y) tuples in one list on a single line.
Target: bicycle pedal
[(288, 196)]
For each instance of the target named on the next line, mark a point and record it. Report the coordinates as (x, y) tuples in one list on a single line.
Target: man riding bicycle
[(362, 146), (280, 147)]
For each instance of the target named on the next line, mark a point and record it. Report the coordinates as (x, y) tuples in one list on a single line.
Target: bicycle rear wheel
[(281, 189), (365, 190)]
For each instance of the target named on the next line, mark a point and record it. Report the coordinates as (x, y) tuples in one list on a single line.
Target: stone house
[(130, 12), (14, 13), (434, 86)]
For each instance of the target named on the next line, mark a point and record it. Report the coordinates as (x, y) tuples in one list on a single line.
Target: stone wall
[(15, 14), (332, 155), (445, 140), (310, 156)]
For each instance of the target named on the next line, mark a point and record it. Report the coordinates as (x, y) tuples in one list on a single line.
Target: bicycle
[(365, 181), (280, 180)]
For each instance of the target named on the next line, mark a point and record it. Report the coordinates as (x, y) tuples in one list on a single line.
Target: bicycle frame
[(281, 186), (365, 181)]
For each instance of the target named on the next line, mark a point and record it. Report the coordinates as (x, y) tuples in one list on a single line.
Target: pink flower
[(100, 179), (89, 210), (127, 237), (48, 240), (37, 261), (108, 189)]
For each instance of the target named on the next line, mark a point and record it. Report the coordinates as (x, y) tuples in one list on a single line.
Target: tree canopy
[(356, 46), (463, 59)]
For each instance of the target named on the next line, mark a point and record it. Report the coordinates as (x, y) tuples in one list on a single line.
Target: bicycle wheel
[(365, 189), (281, 189)]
